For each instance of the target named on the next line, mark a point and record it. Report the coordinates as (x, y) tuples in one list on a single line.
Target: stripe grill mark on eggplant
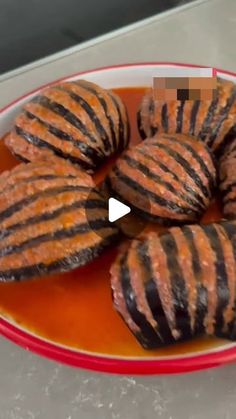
[(81, 228), (48, 192), (154, 130), (179, 116), (140, 127), (40, 177), (140, 212), (131, 305), (85, 149), (228, 180), (65, 113), (151, 108), (88, 204), (179, 291), (139, 285), (105, 108), (189, 170), (198, 158), (20, 158), (229, 189), (70, 262), (195, 256), (193, 116), (224, 113), (222, 290), (38, 142), (121, 141), (225, 144), (201, 309), (164, 118), (145, 170), (230, 230), (208, 119), (92, 115), (152, 295), (155, 198), (199, 201)]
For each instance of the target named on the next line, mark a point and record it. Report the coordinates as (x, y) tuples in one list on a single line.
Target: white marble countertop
[(35, 388)]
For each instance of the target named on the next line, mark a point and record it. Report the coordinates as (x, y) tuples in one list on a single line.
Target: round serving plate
[(126, 75)]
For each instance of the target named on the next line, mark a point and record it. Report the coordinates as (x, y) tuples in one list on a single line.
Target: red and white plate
[(181, 360)]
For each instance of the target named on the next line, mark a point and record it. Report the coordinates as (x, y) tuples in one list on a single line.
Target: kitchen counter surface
[(35, 388)]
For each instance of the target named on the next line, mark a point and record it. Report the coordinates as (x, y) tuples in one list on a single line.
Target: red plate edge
[(115, 365), (102, 363)]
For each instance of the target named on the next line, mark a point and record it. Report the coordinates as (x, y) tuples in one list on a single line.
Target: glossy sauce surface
[(75, 309)]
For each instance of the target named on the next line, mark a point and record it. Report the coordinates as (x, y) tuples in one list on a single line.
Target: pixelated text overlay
[(184, 84)]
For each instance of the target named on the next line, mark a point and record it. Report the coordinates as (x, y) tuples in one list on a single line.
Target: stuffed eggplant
[(175, 173), (211, 121), (77, 121), (52, 219), (179, 285), (227, 175)]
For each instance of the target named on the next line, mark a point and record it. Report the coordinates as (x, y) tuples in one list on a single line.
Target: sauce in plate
[(75, 309)]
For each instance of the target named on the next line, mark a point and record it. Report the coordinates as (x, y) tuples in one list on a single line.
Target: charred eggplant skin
[(227, 175), (179, 285), (75, 121), (213, 122), (175, 173), (52, 219)]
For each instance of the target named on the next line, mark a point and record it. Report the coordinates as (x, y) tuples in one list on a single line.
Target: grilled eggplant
[(211, 121), (179, 285), (52, 219), (227, 174), (176, 173), (77, 121)]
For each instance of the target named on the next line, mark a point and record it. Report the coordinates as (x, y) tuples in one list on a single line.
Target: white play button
[(117, 210)]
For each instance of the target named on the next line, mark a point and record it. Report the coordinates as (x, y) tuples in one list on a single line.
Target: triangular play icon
[(116, 209)]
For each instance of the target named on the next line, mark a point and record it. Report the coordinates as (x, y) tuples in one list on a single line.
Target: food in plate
[(178, 285), (176, 173), (52, 219), (76, 121), (211, 121), (168, 286), (227, 174)]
